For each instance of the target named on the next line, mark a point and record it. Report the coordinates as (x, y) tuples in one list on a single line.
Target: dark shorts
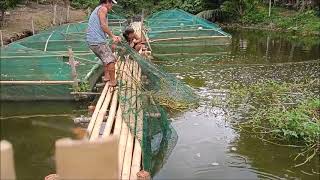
[(103, 52)]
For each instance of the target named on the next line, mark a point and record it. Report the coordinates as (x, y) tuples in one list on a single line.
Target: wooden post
[(269, 8), (54, 14), (68, 13), (73, 70), (142, 19), (89, 11), (32, 26), (7, 161), (1, 38), (83, 159)]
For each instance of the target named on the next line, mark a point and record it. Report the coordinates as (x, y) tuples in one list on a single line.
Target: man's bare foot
[(105, 79), (113, 83)]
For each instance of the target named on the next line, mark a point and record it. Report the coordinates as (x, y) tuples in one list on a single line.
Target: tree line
[(216, 7)]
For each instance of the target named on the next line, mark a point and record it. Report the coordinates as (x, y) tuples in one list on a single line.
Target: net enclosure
[(38, 67), (178, 32)]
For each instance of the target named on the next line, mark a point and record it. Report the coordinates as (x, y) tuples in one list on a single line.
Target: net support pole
[(89, 11), (1, 38), (32, 26), (142, 19), (54, 14), (68, 13), (269, 8), (73, 70)]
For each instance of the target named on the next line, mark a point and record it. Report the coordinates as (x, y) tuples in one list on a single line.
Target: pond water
[(208, 147), (33, 128)]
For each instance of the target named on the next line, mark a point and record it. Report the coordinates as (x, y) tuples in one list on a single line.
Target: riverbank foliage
[(305, 23), (279, 112)]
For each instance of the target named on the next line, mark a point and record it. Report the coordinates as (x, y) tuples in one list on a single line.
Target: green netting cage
[(42, 61), (178, 32)]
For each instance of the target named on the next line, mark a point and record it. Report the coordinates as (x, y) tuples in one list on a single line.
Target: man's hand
[(116, 39)]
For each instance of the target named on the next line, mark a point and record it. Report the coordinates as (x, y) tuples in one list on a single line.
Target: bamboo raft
[(108, 120)]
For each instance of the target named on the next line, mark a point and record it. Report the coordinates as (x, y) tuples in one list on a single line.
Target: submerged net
[(178, 32)]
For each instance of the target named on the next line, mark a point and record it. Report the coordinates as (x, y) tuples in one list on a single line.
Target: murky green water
[(208, 147), (32, 128)]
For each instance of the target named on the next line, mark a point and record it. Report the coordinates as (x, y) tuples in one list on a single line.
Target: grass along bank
[(281, 19), (286, 114)]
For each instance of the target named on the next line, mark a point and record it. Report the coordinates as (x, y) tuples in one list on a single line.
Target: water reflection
[(208, 147)]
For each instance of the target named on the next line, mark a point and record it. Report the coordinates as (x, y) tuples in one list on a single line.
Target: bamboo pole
[(73, 70), (54, 14), (122, 145), (118, 123), (47, 42), (195, 54), (68, 13), (101, 115), (181, 30), (32, 26), (113, 110), (137, 152), (1, 38), (142, 19), (194, 25), (124, 126), (88, 11), (111, 115), (97, 109), (136, 160), (126, 169), (85, 93), (34, 82), (51, 55), (270, 8), (188, 38), (101, 109)]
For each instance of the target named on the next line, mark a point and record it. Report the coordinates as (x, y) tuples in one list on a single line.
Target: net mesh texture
[(176, 32), (44, 56)]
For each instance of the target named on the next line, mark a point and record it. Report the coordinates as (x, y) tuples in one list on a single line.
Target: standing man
[(96, 38)]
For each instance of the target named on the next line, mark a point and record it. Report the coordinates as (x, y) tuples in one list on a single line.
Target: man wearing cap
[(97, 34)]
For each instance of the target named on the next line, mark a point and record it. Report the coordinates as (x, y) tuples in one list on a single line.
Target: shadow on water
[(33, 128), (208, 147)]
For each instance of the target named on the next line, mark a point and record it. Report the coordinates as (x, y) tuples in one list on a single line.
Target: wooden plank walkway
[(108, 117)]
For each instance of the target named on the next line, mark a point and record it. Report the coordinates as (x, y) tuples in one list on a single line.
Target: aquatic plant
[(279, 113), (83, 87)]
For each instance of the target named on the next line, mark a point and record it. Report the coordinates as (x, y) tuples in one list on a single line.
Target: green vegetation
[(295, 16), (4, 5), (83, 87), (285, 112), (306, 22)]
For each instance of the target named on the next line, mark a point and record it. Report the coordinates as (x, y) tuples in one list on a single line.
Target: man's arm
[(137, 39), (103, 23)]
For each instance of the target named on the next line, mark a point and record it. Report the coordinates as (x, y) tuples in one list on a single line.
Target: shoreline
[(266, 28)]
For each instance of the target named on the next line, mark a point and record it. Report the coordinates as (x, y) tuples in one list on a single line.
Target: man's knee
[(111, 66)]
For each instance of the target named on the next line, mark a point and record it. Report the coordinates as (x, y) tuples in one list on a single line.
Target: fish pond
[(209, 146)]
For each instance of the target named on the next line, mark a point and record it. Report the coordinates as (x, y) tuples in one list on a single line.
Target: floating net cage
[(44, 57), (175, 31)]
